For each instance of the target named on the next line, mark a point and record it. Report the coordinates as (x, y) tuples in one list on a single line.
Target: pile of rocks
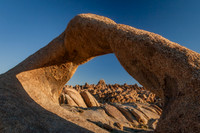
[(118, 93), (137, 111)]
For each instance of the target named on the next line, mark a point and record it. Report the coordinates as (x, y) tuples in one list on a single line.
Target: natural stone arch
[(166, 68)]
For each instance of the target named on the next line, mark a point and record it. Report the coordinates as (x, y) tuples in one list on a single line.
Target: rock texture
[(29, 92), (72, 97), (89, 99), (114, 112), (113, 116), (128, 115), (75, 96), (118, 93)]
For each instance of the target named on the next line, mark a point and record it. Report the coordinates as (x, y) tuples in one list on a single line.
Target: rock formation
[(118, 93), (114, 116), (72, 97), (29, 92), (89, 99), (75, 96)]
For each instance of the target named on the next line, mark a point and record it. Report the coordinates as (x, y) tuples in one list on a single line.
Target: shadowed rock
[(29, 92)]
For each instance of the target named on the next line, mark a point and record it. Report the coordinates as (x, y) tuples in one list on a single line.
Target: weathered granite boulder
[(114, 112), (71, 102), (128, 115), (29, 92), (90, 101), (149, 114), (140, 116), (74, 95)]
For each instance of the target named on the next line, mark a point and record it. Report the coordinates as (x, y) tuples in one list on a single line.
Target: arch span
[(166, 68)]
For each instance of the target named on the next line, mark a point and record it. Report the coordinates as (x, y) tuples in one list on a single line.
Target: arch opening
[(105, 67), (78, 97)]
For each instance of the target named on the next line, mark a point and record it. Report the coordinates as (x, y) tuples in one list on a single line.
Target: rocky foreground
[(121, 108)]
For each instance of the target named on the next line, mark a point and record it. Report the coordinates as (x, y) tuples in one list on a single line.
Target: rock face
[(32, 87)]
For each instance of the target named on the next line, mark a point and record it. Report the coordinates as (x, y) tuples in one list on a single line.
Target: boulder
[(89, 99), (141, 118), (126, 113), (96, 115), (75, 96), (70, 101), (114, 112), (150, 109), (101, 83), (149, 114)]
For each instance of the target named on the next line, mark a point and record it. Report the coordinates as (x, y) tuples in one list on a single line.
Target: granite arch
[(166, 68)]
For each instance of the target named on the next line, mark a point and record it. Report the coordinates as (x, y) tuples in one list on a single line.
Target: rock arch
[(29, 91)]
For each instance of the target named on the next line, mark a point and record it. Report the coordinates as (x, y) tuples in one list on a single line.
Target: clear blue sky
[(28, 25)]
